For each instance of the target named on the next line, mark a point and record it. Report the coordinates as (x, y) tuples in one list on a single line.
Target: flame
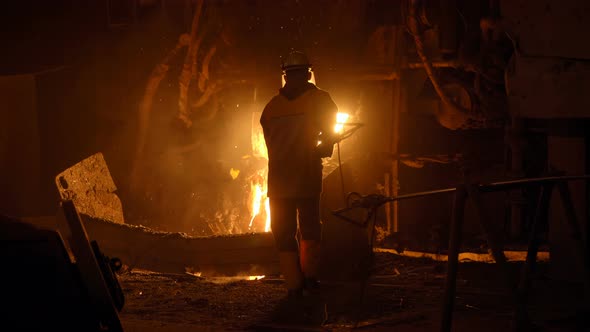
[(267, 223), (341, 119), (257, 191), (259, 204)]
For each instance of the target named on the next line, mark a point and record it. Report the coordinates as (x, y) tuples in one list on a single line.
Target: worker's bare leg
[(283, 216), (309, 246)]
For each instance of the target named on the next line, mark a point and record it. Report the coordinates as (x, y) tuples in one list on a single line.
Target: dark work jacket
[(292, 122)]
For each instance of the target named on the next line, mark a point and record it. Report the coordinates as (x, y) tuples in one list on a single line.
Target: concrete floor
[(403, 294)]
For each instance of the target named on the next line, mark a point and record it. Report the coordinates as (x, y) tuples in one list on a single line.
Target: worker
[(298, 125)]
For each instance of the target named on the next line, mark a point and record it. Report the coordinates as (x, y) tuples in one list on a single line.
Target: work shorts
[(286, 214)]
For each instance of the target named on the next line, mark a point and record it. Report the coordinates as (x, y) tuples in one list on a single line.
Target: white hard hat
[(295, 60)]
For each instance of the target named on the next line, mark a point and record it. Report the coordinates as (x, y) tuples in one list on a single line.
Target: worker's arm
[(327, 115)]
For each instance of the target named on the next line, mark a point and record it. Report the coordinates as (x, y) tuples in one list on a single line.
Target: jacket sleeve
[(326, 121), (264, 120)]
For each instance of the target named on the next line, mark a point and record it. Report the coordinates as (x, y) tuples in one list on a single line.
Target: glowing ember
[(259, 205), (255, 277), (234, 173)]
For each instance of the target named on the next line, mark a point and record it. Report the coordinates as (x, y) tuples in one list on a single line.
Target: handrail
[(374, 200), (473, 190)]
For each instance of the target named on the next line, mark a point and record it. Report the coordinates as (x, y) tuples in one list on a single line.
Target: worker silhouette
[(298, 126)]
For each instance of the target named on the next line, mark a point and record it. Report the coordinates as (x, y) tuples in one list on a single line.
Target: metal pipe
[(504, 185), (421, 194), (497, 186), (458, 212), (521, 320), (577, 235), (493, 239), (453, 262), (414, 31), (485, 188)]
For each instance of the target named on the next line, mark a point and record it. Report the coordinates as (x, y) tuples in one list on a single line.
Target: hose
[(414, 31)]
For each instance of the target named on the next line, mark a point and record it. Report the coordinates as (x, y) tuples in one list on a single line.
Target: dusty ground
[(402, 294)]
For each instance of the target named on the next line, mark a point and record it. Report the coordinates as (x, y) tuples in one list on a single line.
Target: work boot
[(290, 308), (291, 270), (310, 265)]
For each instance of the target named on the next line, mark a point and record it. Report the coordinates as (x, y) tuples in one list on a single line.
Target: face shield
[(311, 80)]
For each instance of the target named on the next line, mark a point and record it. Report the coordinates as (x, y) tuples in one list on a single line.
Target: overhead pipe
[(413, 25)]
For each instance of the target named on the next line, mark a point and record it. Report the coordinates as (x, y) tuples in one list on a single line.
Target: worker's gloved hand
[(325, 145), (324, 150)]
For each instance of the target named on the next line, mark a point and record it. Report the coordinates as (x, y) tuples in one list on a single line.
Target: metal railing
[(468, 190)]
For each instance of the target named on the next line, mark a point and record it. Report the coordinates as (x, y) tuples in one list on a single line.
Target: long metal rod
[(504, 185), (453, 262), (457, 225), (492, 237), (394, 147), (421, 194), (576, 233), (400, 197), (521, 319), (485, 188), (495, 186)]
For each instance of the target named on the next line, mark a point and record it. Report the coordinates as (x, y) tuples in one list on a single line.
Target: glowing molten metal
[(259, 205), (341, 119)]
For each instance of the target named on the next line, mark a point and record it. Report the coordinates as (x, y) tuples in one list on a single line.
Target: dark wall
[(91, 66), (19, 146), (41, 35), (88, 74), (481, 152)]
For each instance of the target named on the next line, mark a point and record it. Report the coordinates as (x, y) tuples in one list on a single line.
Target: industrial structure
[(467, 131)]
